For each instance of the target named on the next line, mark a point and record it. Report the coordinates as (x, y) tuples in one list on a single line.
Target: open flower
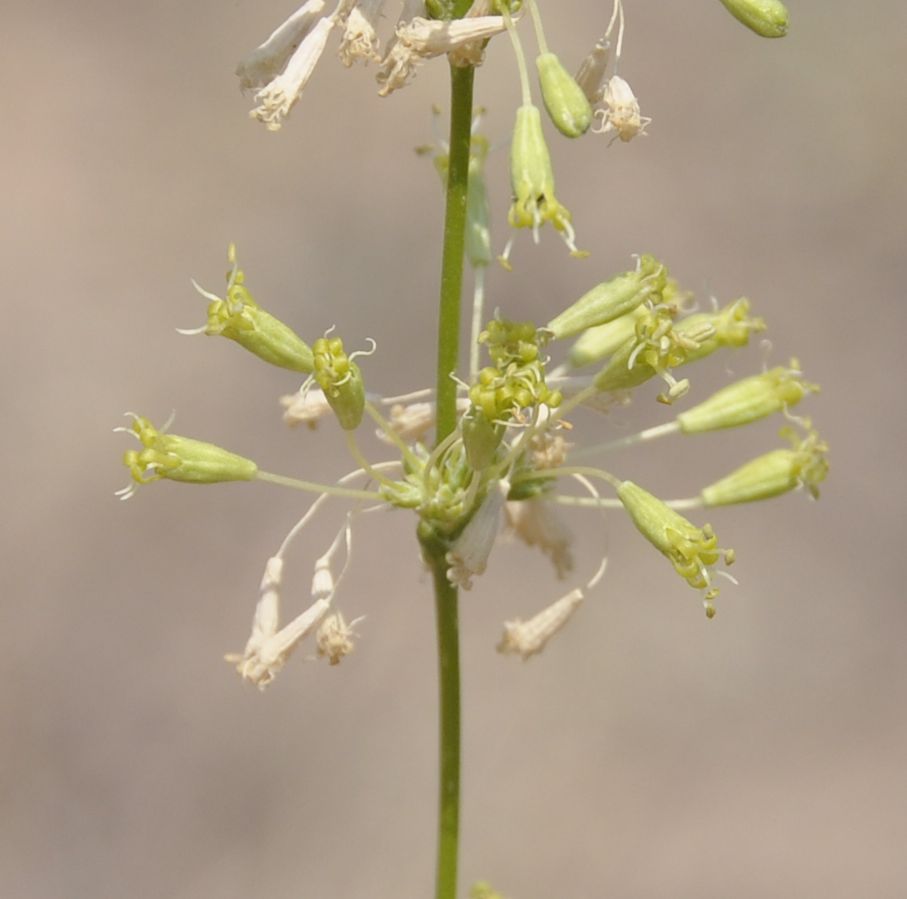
[(180, 459), (532, 181), (693, 551), (238, 317)]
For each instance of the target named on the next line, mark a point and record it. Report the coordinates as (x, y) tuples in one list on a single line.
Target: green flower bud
[(532, 179), (597, 343), (748, 400), (568, 108), (774, 473), (481, 439), (181, 459), (767, 18), (240, 318), (612, 299), (340, 380), (692, 551)]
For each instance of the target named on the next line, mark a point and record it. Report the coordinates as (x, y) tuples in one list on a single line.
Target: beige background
[(648, 753)]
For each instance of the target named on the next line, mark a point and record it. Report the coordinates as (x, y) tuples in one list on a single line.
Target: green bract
[(767, 18)]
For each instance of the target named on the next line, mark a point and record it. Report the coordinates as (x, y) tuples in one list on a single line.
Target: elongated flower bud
[(241, 319), (693, 551), (181, 459), (532, 178), (748, 400), (774, 473), (567, 106), (767, 18), (611, 299), (481, 439), (340, 379)]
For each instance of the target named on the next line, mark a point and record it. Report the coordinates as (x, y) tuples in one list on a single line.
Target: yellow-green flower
[(780, 471), (340, 379), (748, 400), (693, 551), (240, 318), (180, 459), (532, 180), (612, 299)]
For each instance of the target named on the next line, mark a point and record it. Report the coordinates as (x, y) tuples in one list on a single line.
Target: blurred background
[(648, 752)]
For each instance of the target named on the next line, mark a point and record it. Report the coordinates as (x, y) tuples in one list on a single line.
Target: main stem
[(454, 242), (434, 549)]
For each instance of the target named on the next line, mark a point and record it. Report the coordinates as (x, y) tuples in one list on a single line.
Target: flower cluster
[(500, 471)]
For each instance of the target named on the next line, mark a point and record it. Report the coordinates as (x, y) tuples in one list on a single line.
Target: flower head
[(748, 400), (238, 317), (780, 471), (532, 180), (693, 551), (612, 299), (340, 379), (180, 459)]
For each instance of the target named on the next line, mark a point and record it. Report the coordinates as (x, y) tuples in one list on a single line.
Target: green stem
[(449, 760), (461, 80), (433, 547)]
